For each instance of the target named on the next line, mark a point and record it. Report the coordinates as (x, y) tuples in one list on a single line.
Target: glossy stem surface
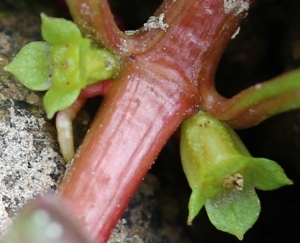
[(161, 84), (120, 147)]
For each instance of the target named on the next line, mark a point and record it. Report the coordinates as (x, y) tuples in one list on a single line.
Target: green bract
[(64, 64), (222, 174)]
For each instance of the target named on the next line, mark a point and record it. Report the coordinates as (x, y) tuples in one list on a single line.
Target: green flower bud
[(222, 174), (65, 64)]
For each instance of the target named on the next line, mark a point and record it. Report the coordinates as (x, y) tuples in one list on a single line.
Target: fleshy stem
[(156, 90), (257, 103)]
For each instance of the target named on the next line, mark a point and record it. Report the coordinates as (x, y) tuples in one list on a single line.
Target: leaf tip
[(58, 30), (6, 68), (43, 15), (240, 237), (10, 67), (189, 223), (191, 217)]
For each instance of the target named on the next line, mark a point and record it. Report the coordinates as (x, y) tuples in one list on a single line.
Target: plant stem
[(257, 103), (158, 88), (95, 15), (133, 125)]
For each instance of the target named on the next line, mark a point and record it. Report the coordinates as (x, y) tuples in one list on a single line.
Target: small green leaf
[(196, 202), (57, 30), (267, 175), (100, 64), (235, 211), (31, 66), (60, 98)]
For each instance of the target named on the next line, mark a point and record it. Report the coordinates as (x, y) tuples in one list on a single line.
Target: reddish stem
[(130, 130), (95, 15), (157, 89), (100, 88)]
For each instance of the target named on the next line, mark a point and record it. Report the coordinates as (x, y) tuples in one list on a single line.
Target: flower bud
[(222, 174)]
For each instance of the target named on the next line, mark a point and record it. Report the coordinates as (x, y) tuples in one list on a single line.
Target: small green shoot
[(65, 64), (222, 174)]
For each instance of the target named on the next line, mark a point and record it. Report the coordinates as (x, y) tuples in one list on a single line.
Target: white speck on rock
[(4, 43), (236, 6)]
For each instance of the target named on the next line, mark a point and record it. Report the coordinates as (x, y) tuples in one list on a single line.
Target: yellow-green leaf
[(235, 211), (57, 99), (58, 30), (32, 66)]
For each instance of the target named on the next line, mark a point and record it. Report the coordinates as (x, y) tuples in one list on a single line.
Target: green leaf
[(100, 64), (196, 202), (234, 212), (31, 66), (60, 98), (57, 30), (267, 175)]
